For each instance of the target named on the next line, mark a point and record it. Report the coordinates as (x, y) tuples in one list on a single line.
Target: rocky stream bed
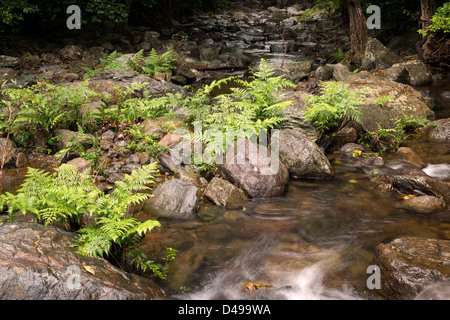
[(308, 232)]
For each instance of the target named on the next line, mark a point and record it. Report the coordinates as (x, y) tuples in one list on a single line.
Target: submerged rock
[(424, 204), (36, 263), (409, 265)]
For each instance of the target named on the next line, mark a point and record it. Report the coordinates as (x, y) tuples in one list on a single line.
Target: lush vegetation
[(70, 198), (335, 107), (251, 106), (440, 21), (149, 66)]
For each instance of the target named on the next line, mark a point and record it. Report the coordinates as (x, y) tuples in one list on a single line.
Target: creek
[(336, 226)]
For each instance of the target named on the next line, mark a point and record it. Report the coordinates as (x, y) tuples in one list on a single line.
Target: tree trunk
[(359, 32), (427, 7), (122, 26)]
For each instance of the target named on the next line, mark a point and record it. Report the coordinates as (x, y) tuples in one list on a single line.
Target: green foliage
[(406, 127), (67, 196), (144, 264), (109, 62), (327, 6), (251, 106), (144, 143), (45, 107), (339, 55), (334, 107), (439, 22), (154, 63)]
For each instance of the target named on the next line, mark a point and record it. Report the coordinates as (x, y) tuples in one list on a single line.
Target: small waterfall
[(308, 283), (438, 171)]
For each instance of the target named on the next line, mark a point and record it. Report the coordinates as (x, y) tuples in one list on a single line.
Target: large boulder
[(295, 115), (37, 263), (174, 199), (405, 100), (409, 265), (259, 176), (304, 158), (377, 56), (413, 72)]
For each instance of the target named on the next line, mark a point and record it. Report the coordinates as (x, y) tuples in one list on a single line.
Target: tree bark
[(359, 33), (427, 7)]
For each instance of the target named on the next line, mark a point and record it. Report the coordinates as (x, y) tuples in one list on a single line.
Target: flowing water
[(335, 228)]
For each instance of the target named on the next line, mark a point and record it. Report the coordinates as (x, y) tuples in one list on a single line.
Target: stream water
[(336, 226)]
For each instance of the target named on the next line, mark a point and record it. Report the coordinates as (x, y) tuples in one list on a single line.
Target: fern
[(251, 106), (334, 107), (67, 195)]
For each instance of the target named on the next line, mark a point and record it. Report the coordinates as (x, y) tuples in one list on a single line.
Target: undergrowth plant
[(251, 106), (46, 107), (406, 127), (67, 196), (147, 65), (335, 107)]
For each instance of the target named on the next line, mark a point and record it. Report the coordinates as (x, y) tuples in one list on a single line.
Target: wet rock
[(249, 227), (408, 155), (304, 158), (259, 176), (176, 199), (377, 56), (223, 193), (418, 185), (36, 263), (424, 204), (409, 265), (182, 269)]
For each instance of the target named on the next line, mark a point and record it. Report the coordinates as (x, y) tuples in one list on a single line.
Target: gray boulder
[(304, 158), (377, 56), (259, 177), (440, 133), (414, 73), (36, 263), (174, 199)]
